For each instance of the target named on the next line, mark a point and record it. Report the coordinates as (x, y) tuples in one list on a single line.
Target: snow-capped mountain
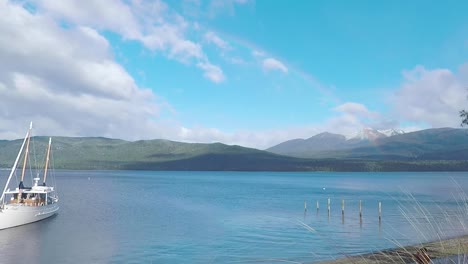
[(391, 132), (428, 144), (329, 142), (373, 134), (368, 134)]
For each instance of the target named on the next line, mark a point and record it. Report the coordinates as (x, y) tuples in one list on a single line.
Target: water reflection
[(24, 239)]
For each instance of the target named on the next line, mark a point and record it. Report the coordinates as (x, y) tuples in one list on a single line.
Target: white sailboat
[(24, 205)]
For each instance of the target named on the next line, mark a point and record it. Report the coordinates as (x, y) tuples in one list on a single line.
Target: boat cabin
[(32, 196)]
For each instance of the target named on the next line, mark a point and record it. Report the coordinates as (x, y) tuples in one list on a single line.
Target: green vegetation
[(104, 153)]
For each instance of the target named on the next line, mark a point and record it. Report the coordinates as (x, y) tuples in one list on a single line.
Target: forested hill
[(104, 153)]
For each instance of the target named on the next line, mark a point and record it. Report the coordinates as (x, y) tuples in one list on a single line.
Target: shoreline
[(437, 249)]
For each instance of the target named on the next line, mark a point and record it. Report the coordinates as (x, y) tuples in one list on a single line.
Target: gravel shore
[(443, 251)]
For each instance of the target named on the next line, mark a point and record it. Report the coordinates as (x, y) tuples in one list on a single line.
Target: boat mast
[(13, 169), (21, 186), (47, 162)]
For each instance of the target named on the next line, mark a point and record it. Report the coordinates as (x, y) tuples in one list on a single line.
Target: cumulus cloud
[(425, 98), (66, 80), (351, 119), (151, 23), (270, 64), (432, 97), (103, 15)]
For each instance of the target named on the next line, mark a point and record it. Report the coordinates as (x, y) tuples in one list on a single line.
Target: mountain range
[(444, 149), (429, 144)]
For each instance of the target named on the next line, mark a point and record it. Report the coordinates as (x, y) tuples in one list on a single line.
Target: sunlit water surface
[(235, 217)]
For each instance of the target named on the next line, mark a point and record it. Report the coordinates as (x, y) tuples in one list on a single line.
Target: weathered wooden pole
[(380, 211), (342, 207), (305, 205), (380, 218), (360, 213), (318, 207), (328, 206), (360, 208)]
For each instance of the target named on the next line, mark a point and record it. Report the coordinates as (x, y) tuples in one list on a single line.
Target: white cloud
[(432, 97), (258, 53), (103, 15), (212, 72), (270, 64), (66, 80), (211, 37), (167, 38), (425, 98), (355, 109), (152, 23)]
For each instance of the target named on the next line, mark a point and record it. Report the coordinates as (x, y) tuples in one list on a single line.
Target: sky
[(244, 72)]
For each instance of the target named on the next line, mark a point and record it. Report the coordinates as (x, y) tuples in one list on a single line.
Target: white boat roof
[(34, 189)]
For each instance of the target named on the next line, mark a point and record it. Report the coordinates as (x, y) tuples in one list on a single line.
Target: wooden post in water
[(380, 211), (328, 206), (360, 208), (360, 213), (380, 218), (342, 207), (305, 205), (318, 205), (342, 211)]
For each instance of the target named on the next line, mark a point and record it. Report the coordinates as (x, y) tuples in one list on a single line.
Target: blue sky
[(253, 73)]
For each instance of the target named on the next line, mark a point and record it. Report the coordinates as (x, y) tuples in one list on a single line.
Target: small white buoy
[(323, 188)]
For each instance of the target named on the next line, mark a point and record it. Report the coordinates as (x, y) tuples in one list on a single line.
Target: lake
[(236, 217)]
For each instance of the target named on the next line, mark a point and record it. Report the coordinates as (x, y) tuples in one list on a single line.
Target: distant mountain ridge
[(96, 153), (300, 147), (328, 142), (432, 144), (444, 149)]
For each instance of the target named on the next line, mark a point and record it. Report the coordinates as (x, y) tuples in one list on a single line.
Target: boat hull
[(18, 214)]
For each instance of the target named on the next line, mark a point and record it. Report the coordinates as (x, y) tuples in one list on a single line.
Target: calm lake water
[(235, 217)]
